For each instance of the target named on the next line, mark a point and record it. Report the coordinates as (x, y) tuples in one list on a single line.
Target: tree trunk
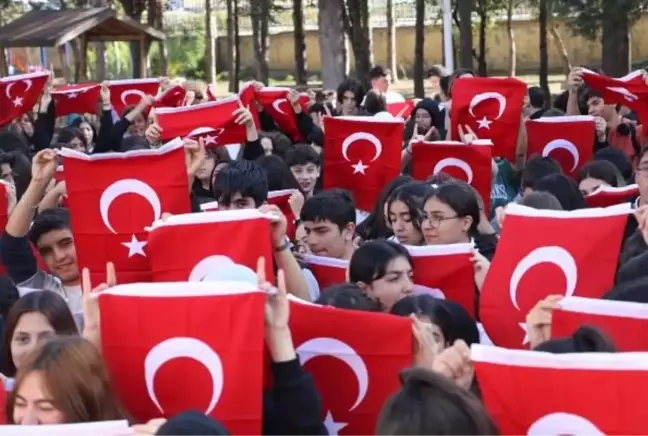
[(232, 18), (210, 44), (464, 11), (134, 10), (511, 35), (332, 43), (391, 40), (301, 75), (357, 24), (615, 45), (419, 43), (237, 47), (260, 14), (76, 51), (482, 66), (560, 46), (544, 56)]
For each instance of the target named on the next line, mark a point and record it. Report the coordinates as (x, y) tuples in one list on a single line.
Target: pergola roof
[(48, 28)]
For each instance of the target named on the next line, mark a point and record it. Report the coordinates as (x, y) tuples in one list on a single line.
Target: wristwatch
[(285, 246)]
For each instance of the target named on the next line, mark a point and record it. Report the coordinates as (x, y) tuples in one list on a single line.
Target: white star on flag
[(73, 95), (484, 123), (332, 426), (359, 167), (523, 326), (209, 139), (18, 101), (135, 247)]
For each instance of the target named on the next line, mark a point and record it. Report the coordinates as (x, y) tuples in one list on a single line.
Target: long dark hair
[(47, 303)]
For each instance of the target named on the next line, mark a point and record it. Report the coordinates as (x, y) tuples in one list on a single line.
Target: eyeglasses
[(435, 220)]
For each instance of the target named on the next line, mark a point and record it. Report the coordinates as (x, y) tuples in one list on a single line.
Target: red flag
[(77, 99), (569, 140), (110, 210), (363, 154), (355, 358), (275, 102), (445, 271), (327, 270), (605, 196), (280, 199), (213, 121), (626, 323), (468, 162), (630, 90), (535, 393), (19, 94), (401, 108), (492, 107), (95, 428), (130, 92), (208, 257), (210, 206), (542, 252), (177, 346), (172, 97)]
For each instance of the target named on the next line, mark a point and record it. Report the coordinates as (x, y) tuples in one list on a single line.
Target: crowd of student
[(51, 353)]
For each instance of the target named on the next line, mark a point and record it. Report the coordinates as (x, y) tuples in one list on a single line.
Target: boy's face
[(324, 238), (57, 249), (306, 175), (237, 202)]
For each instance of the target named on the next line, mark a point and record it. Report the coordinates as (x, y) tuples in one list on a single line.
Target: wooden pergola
[(52, 28)]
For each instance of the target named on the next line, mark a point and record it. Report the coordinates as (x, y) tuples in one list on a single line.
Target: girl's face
[(31, 330), (26, 126), (87, 132), (590, 184), (138, 127), (34, 405), (435, 334), (400, 221), (76, 144), (423, 120), (266, 143), (301, 246), (441, 225), (394, 285), (204, 173)]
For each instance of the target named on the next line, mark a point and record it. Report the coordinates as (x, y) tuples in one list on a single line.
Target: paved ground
[(406, 87)]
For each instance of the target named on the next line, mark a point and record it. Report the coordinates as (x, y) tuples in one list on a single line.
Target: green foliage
[(185, 57), (585, 17)]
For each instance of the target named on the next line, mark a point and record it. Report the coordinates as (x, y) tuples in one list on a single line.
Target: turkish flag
[(402, 108), (96, 428), (355, 358), (492, 107), (470, 163), (605, 196), (363, 154), (280, 199), (130, 92), (327, 270), (213, 121), (630, 90), (19, 94), (170, 347), (210, 206), (208, 257), (626, 323), (275, 102), (544, 252), (110, 210), (172, 97), (77, 99), (536, 393), (569, 140), (446, 272)]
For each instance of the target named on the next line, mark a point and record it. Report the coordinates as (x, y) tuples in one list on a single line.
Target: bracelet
[(285, 246)]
